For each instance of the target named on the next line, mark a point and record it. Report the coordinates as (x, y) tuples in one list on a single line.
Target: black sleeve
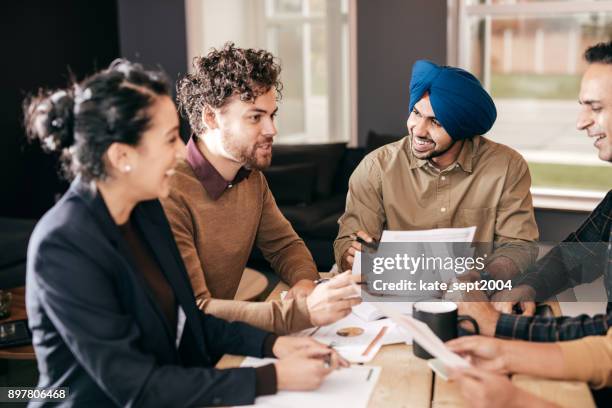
[(580, 258), (237, 338), (80, 298), (549, 329)]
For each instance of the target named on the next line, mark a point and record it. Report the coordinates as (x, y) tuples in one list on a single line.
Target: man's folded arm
[(280, 317)]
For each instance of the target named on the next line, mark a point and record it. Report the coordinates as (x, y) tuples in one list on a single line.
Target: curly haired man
[(220, 204)]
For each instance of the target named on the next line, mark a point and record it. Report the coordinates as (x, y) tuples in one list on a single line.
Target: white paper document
[(368, 312), (355, 339), (347, 387), (426, 338), (432, 235)]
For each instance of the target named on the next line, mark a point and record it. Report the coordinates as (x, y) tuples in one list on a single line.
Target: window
[(529, 56), (311, 40)]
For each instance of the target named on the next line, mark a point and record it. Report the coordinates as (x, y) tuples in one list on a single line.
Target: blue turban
[(458, 100)]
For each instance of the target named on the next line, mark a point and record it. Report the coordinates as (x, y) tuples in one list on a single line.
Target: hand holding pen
[(360, 241), (333, 300), (306, 367)]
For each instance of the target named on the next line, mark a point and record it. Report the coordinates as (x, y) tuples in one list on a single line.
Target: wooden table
[(407, 381), (18, 312)]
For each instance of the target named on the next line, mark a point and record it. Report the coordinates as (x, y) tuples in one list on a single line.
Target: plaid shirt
[(582, 257)]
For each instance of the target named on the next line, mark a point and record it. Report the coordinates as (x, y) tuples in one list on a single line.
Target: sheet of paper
[(442, 235), (358, 335), (368, 312), (426, 338), (347, 387), (432, 235)]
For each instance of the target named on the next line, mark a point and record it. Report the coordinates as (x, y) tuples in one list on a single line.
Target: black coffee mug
[(442, 318)]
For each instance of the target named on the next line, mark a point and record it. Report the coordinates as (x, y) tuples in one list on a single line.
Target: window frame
[(339, 115), (334, 21), (459, 12)]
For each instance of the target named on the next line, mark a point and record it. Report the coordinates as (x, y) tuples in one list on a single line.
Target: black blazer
[(97, 328)]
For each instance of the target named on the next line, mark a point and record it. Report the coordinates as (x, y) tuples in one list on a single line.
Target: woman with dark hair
[(110, 306)]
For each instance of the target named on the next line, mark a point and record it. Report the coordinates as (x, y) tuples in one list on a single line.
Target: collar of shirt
[(212, 181), (464, 160)]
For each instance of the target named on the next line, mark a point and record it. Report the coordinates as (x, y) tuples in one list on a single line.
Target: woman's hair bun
[(82, 121), (49, 118)]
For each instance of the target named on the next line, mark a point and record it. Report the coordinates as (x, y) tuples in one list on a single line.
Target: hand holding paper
[(426, 338)]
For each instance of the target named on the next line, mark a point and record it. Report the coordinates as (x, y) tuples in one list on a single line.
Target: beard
[(256, 161), (431, 153), (250, 156)]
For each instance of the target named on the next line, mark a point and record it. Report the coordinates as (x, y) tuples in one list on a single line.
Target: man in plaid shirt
[(583, 256)]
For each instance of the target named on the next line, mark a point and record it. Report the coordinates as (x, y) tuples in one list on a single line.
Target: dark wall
[(556, 225), (391, 36), (154, 33), (42, 41)]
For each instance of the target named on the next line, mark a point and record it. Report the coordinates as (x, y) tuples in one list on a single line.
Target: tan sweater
[(589, 359), (216, 237)]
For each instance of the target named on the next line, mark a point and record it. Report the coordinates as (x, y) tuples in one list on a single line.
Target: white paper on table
[(432, 235), (396, 336), (356, 270), (347, 387), (352, 348), (425, 337), (445, 235), (368, 312)]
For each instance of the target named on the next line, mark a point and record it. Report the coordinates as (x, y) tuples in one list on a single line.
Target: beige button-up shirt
[(487, 187)]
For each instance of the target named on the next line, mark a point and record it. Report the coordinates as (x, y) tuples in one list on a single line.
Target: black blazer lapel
[(98, 207), (152, 221)]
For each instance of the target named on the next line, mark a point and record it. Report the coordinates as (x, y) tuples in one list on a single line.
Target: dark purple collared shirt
[(214, 184)]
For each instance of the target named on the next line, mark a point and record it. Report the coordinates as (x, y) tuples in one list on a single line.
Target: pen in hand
[(327, 359), (373, 245)]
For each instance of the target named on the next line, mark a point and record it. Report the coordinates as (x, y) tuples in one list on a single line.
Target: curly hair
[(223, 73)]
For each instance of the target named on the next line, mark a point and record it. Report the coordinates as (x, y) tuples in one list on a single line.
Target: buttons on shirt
[(443, 178), (230, 185), (443, 209)]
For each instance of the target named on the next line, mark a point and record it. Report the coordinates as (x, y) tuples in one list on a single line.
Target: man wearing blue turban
[(461, 105), (445, 174)]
